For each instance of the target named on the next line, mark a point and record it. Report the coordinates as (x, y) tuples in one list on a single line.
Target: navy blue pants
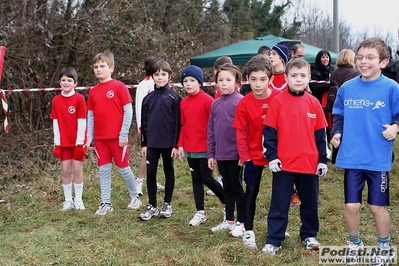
[(277, 219)]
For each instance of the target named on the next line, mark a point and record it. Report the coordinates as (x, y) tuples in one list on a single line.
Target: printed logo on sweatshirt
[(358, 103), (311, 115), (71, 109), (110, 94), (378, 104)]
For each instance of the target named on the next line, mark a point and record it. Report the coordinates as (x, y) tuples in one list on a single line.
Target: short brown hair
[(377, 43), (106, 57), (221, 61), (298, 63), (260, 63), (232, 69), (70, 72)]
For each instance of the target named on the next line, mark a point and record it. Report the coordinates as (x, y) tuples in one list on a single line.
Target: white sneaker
[(353, 251), (166, 211), (135, 203), (311, 243), (223, 226), (104, 208), (238, 230), (139, 185), (248, 239), (198, 219), (79, 205), (149, 212), (159, 186), (270, 249), (67, 205)]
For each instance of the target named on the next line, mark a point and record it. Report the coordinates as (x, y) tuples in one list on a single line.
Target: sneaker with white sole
[(67, 205), (159, 186), (238, 230), (352, 252), (166, 210), (135, 203), (139, 185), (311, 243), (198, 219), (248, 239), (223, 226), (79, 205), (385, 255), (270, 249), (149, 212), (104, 208)]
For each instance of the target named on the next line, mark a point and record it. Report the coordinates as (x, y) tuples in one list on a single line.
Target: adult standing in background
[(298, 50), (321, 71), (345, 71)]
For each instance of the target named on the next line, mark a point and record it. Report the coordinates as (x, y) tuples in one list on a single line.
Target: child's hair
[(298, 63), (70, 72), (264, 50), (260, 63), (232, 69), (378, 44), (346, 57), (148, 62), (161, 65), (221, 61), (106, 57)]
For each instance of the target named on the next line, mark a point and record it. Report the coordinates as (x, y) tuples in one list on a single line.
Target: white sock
[(78, 191), (67, 191)]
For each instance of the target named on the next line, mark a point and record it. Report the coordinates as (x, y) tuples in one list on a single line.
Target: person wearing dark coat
[(321, 71)]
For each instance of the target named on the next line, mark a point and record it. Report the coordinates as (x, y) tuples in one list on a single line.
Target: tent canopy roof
[(241, 52)]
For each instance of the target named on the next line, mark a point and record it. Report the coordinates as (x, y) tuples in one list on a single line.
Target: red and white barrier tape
[(5, 104)]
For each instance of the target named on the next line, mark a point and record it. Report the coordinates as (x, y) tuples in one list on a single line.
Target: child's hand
[(275, 165), (90, 144), (336, 140), (322, 169), (57, 151), (79, 152), (211, 163), (123, 142), (181, 154), (175, 153), (144, 151), (390, 131)]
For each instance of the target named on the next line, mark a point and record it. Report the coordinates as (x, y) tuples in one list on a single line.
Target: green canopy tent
[(241, 52)]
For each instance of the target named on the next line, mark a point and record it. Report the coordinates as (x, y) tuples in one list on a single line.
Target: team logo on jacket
[(110, 94), (311, 115), (71, 109)]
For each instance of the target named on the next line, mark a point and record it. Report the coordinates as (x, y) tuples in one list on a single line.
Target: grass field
[(33, 230)]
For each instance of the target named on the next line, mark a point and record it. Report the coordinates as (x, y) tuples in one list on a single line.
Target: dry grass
[(35, 232)]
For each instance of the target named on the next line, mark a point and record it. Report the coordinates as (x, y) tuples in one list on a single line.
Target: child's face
[(161, 78), (67, 84), (191, 85), (102, 71), (226, 82), (370, 65), (275, 58), (259, 82), (298, 78)]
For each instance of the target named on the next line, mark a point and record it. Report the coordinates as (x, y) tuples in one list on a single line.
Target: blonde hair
[(346, 57)]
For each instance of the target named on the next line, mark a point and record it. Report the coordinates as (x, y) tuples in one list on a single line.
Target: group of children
[(238, 134)]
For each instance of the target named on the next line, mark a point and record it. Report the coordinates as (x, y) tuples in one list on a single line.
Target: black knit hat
[(193, 71)]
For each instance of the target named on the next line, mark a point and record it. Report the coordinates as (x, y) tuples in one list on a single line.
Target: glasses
[(368, 57)]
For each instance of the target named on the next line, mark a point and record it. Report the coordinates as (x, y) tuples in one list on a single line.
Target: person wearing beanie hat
[(193, 71), (195, 110), (279, 55), (282, 51)]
